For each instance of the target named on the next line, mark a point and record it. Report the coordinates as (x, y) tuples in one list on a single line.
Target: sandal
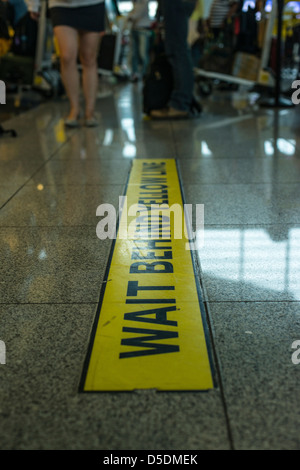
[(72, 123), (92, 122)]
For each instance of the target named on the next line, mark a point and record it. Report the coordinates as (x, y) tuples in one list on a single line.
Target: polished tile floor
[(243, 163)]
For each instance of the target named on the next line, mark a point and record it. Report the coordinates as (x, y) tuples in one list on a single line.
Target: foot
[(73, 119), (91, 120), (169, 113)]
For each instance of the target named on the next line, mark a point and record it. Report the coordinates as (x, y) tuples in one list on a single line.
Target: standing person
[(221, 10), (77, 25), (176, 14), (140, 36)]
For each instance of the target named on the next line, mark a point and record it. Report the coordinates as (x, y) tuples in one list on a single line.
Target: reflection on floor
[(18, 101), (243, 163)]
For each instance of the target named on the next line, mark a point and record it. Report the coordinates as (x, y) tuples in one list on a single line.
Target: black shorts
[(89, 18)]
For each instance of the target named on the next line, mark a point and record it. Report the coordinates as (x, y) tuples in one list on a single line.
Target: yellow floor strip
[(149, 332)]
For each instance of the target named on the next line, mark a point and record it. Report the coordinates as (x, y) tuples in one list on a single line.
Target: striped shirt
[(34, 5), (219, 11)]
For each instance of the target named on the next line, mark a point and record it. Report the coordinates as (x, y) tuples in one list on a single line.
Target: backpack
[(158, 85)]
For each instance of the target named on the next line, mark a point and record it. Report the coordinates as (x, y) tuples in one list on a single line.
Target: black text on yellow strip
[(150, 328)]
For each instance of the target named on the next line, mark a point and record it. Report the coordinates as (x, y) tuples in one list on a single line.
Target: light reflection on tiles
[(266, 257)]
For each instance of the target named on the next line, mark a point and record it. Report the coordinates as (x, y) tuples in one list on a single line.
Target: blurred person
[(24, 29), (140, 38), (176, 14), (220, 12), (198, 30), (77, 25), (19, 10)]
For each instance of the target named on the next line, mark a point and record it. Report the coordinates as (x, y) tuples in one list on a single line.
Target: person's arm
[(34, 8)]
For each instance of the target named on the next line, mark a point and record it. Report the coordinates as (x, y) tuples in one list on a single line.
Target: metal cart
[(263, 76)]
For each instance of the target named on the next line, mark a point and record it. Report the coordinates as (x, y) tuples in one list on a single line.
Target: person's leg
[(67, 39), (145, 47), (134, 53), (88, 53), (176, 14)]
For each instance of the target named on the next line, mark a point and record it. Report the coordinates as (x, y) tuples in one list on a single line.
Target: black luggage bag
[(158, 86)]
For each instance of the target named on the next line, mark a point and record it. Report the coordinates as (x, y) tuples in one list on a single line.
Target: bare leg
[(67, 39), (88, 52)]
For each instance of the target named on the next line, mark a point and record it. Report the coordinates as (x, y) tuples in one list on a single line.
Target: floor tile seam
[(69, 226), (254, 225), (49, 303), (189, 139), (34, 173), (96, 185), (251, 158), (267, 224), (141, 135), (251, 183), (58, 227), (243, 184), (90, 159), (210, 331), (205, 302), (218, 371), (173, 139), (225, 160), (109, 158), (246, 301), (182, 157), (255, 158), (80, 184)]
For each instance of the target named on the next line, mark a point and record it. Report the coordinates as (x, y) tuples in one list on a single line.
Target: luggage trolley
[(111, 44), (46, 77), (28, 63), (242, 64)]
